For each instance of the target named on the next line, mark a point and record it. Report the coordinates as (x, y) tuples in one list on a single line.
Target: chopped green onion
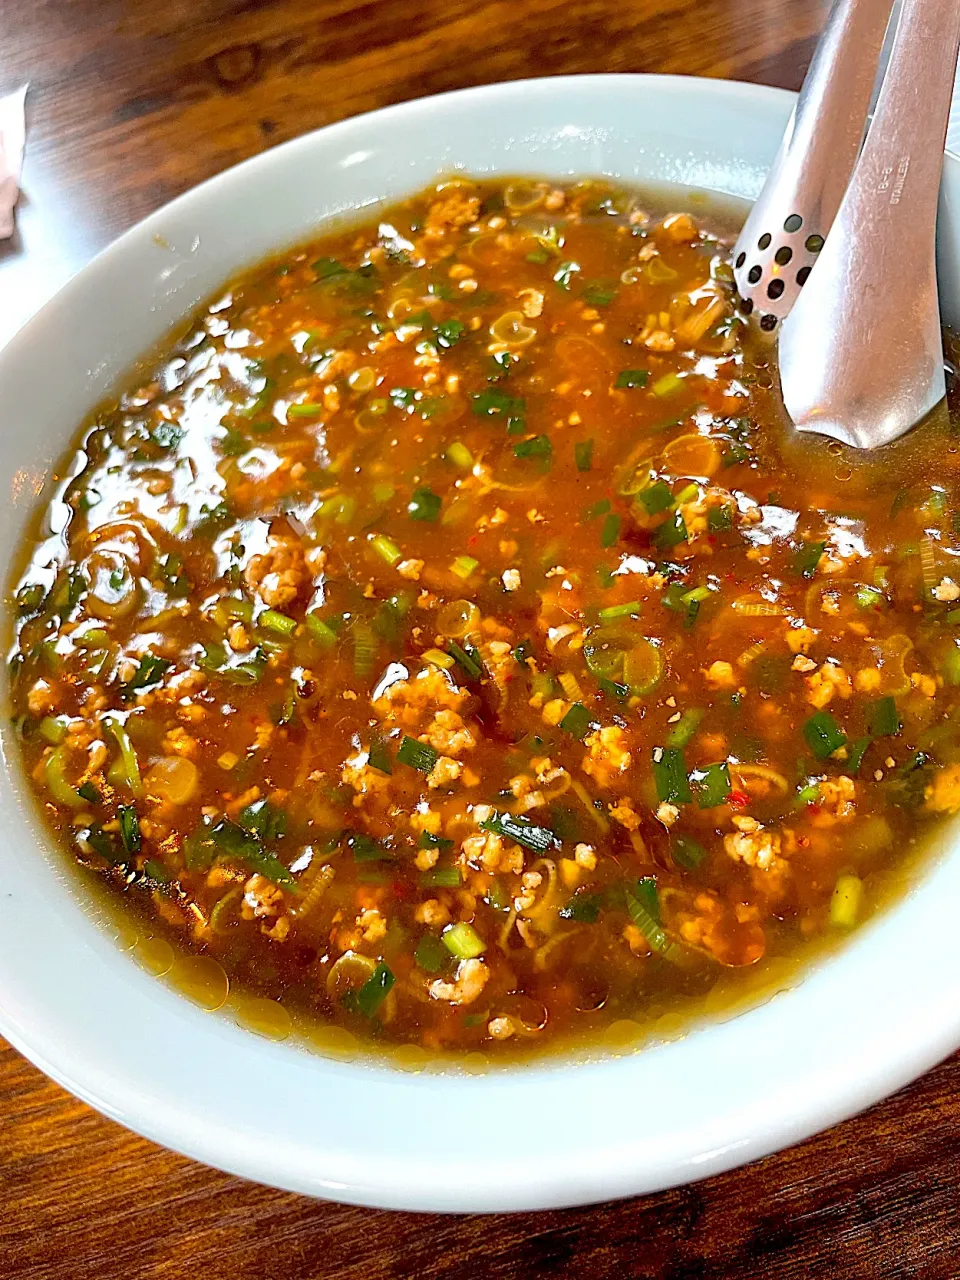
[(364, 648), (583, 907), (129, 828), (466, 659), (670, 534), (583, 454), (368, 999), (428, 840), (464, 566), (868, 597), (654, 933), (577, 721), (150, 671), (521, 830), (263, 819), (667, 385), (319, 630), (687, 853), (424, 505), (684, 729), (54, 774), (279, 623), (305, 409), (418, 755), (670, 776), (610, 532), (845, 901), (856, 753), (89, 792), (883, 718), (719, 518), (536, 447), (439, 878), (711, 785), (629, 610), (823, 734), (386, 549), (379, 756), (129, 765), (463, 942), (53, 729), (655, 498), (431, 955), (459, 455), (807, 557), (632, 378), (246, 847), (365, 849)]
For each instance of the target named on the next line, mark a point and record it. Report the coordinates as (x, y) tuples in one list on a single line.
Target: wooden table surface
[(131, 103)]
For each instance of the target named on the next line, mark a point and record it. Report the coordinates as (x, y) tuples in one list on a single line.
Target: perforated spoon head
[(861, 354)]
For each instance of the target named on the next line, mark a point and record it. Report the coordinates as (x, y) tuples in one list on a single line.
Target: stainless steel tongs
[(838, 255)]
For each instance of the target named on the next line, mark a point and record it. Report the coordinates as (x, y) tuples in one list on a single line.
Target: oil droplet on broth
[(202, 980), (622, 1033), (334, 1042), (154, 955), (265, 1017), (475, 1064), (411, 1057), (126, 936)]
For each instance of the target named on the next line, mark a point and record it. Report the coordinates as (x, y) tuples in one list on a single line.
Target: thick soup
[(445, 636)]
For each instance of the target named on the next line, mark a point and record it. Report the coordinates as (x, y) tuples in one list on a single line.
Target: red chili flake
[(738, 799)]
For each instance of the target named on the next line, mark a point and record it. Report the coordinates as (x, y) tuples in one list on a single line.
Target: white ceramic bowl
[(855, 1029)]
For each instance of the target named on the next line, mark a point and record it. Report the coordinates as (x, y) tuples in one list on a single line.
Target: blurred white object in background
[(12, 129)]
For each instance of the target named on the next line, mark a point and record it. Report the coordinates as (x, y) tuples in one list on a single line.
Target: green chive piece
[(431, 955), (564, 274), (670, 776), (379, 756), (711, 785), (670, 534), (279, 623), (365, 849), (686, 852), (319, 631), (418, 755), (629, 610), (535, 447), (424, 505), (368, 999), (823, 734), (684, 729), (577, 721), (655, 498), (521, 830), (883, 718), (668, 385), (386, 548), (807, 557), (632, 378), (463, 942), (439, 878), (464, 566), (129, 828), (459, 455), (583, 454), (466, 658), (610, 532)]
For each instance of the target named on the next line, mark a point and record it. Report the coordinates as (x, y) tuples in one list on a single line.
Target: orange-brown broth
[(305, 579)]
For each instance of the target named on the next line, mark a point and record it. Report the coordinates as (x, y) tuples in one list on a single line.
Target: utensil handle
[(812, 169)]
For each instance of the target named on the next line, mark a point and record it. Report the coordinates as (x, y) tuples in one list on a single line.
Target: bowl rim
[(755, 1127)]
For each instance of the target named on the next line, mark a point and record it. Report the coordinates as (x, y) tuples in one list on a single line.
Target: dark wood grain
[(132, 102)]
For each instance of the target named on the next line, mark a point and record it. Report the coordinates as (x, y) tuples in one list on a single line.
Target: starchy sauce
[(446, 637)]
